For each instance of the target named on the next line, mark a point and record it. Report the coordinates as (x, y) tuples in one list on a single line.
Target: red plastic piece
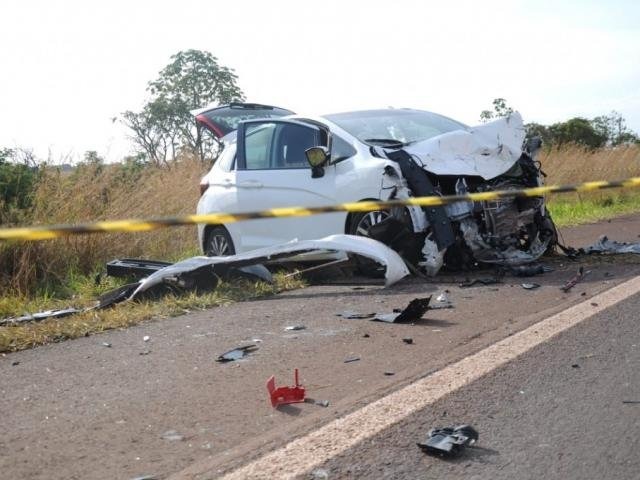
[(285, 395)]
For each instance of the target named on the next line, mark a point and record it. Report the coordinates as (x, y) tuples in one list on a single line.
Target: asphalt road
[(561, 411), (79, 410)]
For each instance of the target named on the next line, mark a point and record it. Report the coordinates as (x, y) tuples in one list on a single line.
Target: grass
[(28, 335), (56, 274), (570, 212)]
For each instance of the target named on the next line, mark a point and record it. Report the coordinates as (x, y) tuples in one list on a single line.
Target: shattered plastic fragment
[(172, 436), (236, 353), (36, 317), (578, 277), (530, 286), (413, 312), (285, 395), (606, 246), (351, 315), (442, 301), (449, 441), (351, 359), (295, 327)]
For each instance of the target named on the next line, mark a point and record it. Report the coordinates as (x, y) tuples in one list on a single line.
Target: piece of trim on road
[(316, 448)]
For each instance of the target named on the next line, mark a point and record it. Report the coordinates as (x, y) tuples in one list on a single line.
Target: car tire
[(358, 225), (218, 243)]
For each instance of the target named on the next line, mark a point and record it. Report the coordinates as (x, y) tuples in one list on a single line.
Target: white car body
[(485, 151)]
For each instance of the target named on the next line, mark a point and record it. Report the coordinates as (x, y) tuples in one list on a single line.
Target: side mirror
[(317, 158)]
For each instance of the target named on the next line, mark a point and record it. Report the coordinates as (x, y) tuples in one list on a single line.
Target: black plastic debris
[(449, 441), (134, 267), (350, 314), (37, 317), (351, 359), (389, 373), (529, 270), (481, 281), (408, 340), (530, 286), (413, 312), (117, 295), (237, 353), (578, 277)]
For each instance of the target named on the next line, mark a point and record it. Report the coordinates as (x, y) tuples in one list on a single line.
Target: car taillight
[(203, 187)]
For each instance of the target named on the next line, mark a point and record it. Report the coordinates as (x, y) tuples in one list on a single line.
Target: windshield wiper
[(385, 142)]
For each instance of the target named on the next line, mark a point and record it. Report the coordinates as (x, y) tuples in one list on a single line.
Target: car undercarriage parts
[(285, 395), (578, 277), (606, 246), (421, 186), (449, 441)]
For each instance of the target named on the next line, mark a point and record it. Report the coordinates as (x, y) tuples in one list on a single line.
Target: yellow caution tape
[(143, 225)]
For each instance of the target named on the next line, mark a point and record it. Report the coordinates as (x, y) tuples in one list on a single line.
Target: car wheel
[(362, 222), (218, 243)]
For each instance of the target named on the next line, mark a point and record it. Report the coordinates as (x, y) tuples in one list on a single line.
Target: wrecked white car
[(274, 158)]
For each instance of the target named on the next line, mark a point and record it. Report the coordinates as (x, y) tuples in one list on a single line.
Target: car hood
[(486, 151)]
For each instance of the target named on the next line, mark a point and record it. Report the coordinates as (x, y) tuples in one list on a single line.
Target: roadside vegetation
[(162, 180)]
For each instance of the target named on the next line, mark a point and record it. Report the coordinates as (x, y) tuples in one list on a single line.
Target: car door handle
[(250, 184)]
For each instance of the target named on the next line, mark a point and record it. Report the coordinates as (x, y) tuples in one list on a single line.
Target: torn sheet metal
[(606, 246), (412, 312), (487, 150), (350, 244), (37, 317)]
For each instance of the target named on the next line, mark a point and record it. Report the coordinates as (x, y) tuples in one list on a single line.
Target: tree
[(577, 130), (18, 177), (165, 126), (614, 128), (500, 109)]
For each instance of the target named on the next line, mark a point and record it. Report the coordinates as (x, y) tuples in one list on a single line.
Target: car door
[(272, 172)]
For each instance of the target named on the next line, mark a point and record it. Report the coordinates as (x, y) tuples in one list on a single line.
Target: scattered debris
[(134, 267), (351, 359), (631, 401), (295, 327), (408, 340), (606, 246), (594, 304), (413, 312), (449, 441), (575, 365), (37, 317), (350, 314), (146, 338), (366, 335), (442, 301), (320, 474), (320, 403), (145, 477), (15, 363), (389, 373), (530, 286), (172, 436), (145, 352), (481, 281), (106, 344), (529, 270), (237, 353), (578, 277), (285, 395)]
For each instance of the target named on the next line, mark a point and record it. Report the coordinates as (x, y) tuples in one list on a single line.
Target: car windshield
[(387, 127)]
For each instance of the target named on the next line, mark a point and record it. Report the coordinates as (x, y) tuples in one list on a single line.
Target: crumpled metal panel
[(488, 150)]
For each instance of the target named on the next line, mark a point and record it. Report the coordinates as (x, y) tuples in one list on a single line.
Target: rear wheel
[(218, 243)]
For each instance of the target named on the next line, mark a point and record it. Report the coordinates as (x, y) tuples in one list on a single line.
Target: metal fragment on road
[(441, 301), (351, 359), (578, 277), (106, 344), (295, 327), (449, 441), (530, 286), (411, 313), (172, 436), (236, 353)]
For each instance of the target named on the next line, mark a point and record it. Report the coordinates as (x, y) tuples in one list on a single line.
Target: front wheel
[(218, 243)]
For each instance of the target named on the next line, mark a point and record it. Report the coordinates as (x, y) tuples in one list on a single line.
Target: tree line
[(602, 131)]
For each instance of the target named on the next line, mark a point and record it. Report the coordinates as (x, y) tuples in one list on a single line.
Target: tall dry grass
[(574, 164), (100, 192), (94, 192)]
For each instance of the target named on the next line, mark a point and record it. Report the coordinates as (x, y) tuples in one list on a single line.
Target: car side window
[(341, 149), (227, 157), (278, 145)]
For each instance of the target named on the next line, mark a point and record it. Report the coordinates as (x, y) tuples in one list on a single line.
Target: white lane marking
[(303, 454)]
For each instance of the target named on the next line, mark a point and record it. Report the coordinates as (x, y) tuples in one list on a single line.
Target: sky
[(68, 69)]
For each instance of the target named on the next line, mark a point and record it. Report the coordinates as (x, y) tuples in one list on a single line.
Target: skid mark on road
[(305, 453)]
